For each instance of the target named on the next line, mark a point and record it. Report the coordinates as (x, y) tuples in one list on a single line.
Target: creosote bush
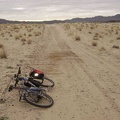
[(116, 46), (77, 38), (118, 38), (29, 41), (11, 35), (2, 51), (94, 43), (4, 118), (37, 33), (23, 42), (29, 35), (67, 26), (23, 39), (16, 37), (95, 38), (102, 49), (90, 32)]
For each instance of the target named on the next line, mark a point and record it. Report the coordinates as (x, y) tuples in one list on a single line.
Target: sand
[(81, 60)]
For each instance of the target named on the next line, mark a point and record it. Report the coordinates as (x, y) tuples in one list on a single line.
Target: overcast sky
[(56, 9)]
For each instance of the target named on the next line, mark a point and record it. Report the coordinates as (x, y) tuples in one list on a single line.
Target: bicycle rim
[(43, 100), (48, 82)]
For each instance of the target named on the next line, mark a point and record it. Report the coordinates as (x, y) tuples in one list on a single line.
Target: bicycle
[(30, 93), (37, 77)]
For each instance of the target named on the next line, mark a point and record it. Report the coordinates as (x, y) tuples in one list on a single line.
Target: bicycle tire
[(31, 96), (47, 83)]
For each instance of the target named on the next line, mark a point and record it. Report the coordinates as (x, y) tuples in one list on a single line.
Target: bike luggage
[(36, 74)]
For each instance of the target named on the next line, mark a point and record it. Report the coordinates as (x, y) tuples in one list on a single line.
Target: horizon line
[(58, 19)]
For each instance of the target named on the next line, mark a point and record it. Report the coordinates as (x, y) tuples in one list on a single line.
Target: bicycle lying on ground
[(31, 90), (37, 78)]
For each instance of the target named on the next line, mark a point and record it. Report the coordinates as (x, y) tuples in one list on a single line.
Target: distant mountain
[(3, 21), (115, 18)]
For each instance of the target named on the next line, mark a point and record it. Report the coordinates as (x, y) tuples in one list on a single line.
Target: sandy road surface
[(87, 86)]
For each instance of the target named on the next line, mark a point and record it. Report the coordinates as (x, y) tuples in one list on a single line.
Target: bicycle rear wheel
[(47, 82), (43, 100)]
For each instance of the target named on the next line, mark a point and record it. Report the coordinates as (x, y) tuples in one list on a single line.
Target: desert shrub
[(15, 27), (90, 32), (9, 67), (71, 33), (20, 35), (29, 41), (118, 38), (23, 39), (116, 32), (1, 45), (78, 28), (10, 35), (16, 37), (67, 26), (29, 35), (77, 38), (95, 38), (16, 31), (116, 46), (100, 36), (92, 28), (96, 34), (37, 33), (2, 34), (8, 32), (23, 42), (82, 25), (102, 49), (106, 33), (3, 53), (94, 43), (4, 118), (29, 30)]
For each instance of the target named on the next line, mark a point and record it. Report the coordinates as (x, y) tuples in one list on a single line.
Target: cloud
[(18, 8), (56, 9)]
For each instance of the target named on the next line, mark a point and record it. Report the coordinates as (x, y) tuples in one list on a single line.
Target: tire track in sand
[(76, 86), (77, 60)]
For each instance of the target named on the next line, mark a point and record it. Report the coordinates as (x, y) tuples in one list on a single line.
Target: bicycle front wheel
[(43, 100)]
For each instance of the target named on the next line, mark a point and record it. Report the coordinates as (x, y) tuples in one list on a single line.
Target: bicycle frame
[(33, 88)]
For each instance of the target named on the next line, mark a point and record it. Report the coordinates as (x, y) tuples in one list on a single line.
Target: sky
[(40, 10)]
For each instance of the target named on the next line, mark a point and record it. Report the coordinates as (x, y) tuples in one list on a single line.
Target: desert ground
[(83, 59)]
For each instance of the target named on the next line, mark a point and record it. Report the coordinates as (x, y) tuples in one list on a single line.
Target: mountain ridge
[(115, 18)]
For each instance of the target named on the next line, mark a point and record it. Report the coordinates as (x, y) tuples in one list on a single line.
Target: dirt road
[(87, 85)]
